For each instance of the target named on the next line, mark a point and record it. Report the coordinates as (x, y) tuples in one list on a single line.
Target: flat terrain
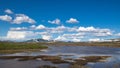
[(105, 44), (11, 47)]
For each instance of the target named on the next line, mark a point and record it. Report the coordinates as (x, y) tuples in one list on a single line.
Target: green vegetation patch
[(20, 45)]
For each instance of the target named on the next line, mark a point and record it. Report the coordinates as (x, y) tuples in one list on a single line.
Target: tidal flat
[(61, 56)]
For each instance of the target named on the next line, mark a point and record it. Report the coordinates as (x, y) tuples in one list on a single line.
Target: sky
[(60, 20)]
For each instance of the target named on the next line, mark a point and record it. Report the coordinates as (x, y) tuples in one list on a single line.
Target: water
[(66, 52)]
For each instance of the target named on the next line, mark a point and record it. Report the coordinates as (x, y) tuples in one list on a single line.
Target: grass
[(14, 47), (47, 66), (19, 45), (103, 44)]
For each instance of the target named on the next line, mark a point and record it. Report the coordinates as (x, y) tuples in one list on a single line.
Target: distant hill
[(37, 40), (6, 41), (115, 40)]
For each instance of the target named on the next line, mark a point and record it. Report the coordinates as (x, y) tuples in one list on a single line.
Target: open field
[(18, 45), (63, 51), (11, 47), (40, 45), (105, 44)]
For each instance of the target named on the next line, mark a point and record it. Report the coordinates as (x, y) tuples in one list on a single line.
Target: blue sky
[(53, 19)]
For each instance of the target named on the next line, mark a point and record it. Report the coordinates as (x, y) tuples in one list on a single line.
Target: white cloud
[(92, 29), (21, 18), (102, 34), (2, 38), (95, 31), (33, 26), (76, 40), (59, 29), (75, 35), (40, 27), (94, 40), (6, 18), (70, 37), (8, 11), (63, 33), (82, 33), (17, 19), (118, 34), (72, 29), (86, 29), (60, 38), (16, 35), (72, 20), (42, 33), (56, 21), (46, 37), (19, 35), (18, 28)]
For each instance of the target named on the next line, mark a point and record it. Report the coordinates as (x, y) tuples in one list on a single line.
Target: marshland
[(59, 55)]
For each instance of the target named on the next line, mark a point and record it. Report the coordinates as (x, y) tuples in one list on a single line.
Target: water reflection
[(66, 52)]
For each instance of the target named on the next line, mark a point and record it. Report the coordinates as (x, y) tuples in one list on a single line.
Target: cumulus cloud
[(33, 26), (17, 18), (6, 18), (8, 11), (56, 21), (70, 37), (18, 28), (42, 33), (40, 27), (76, 40), (102, 34), (46, 37), (61, 33), (59, 29), (118, 34), (82, 32), (95, 31), (75, 35), (72, 20), (3, 38), (21, 18), (86, 29), (18, 35), (60, 38), (94, 40)]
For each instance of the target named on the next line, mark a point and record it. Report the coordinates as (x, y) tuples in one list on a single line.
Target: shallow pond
[(73, 52)]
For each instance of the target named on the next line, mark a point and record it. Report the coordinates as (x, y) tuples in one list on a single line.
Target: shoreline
[(80, 62), (13, 47), (100, 44), (19, 50)]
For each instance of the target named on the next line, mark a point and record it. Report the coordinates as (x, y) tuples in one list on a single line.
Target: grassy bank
[(19, 46), (39, 45), (105, 44)]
